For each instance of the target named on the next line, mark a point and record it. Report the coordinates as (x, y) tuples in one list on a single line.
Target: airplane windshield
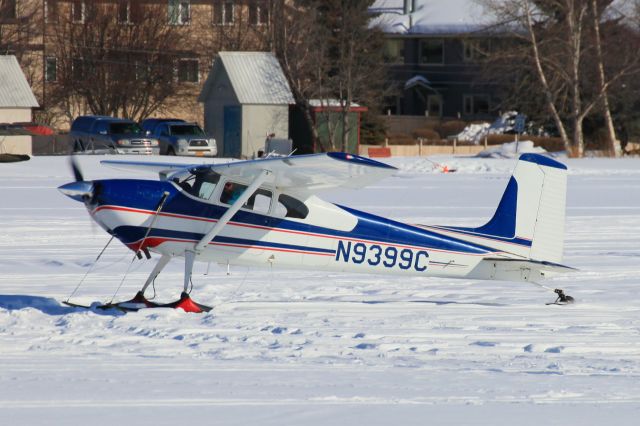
[(197, 182)]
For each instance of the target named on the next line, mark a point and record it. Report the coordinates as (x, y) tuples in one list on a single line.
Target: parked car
[(99, 134), (149, 124), (182, 138)]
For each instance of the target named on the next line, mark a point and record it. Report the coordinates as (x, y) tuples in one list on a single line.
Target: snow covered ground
[(313, 348)]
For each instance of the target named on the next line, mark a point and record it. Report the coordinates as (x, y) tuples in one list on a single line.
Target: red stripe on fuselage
[(156, 241)]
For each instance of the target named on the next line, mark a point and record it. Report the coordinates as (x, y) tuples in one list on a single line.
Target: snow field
[(308, 347)]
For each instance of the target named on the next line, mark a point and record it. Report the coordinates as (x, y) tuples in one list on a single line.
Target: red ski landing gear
[(187, 304)]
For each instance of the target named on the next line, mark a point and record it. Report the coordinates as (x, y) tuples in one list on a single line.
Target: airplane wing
[(148, 166), (301, 173), (310, 173)]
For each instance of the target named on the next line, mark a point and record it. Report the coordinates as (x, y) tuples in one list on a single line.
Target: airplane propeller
[(80, 190), (75, 167)]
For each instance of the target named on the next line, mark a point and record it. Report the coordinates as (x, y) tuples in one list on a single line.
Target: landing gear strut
[(185, 302)]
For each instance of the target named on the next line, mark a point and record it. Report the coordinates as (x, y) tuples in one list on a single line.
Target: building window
[(78, 12), (258, 13), (434, 106), (394, 51), (51, 69), (179, 12), (142, 70), (223, 13), (475, 50), (78, 69), (432, 51), (124, 12), (188, 70), (476, 104), (8, 9), (50, 11)]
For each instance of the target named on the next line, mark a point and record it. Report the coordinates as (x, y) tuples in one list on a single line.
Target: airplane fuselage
[(330, 237)]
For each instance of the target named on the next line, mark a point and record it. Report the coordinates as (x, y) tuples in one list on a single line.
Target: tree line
[(571, 62)]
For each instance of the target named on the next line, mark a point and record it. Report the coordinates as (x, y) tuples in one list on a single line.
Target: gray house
[(16, 102), (246, 98), (433, 49)]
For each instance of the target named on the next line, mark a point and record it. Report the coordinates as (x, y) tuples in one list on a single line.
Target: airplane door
[(232, 143)]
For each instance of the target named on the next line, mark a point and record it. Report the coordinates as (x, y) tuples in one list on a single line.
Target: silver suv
[(182, 138)]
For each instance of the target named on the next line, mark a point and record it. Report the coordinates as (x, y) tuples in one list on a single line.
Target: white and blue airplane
[(267, 212)]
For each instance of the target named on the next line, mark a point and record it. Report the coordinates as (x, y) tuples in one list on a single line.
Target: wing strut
[(226, 217)]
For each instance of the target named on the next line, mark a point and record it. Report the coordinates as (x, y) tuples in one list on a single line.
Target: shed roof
[(256, 78), (15, 91)]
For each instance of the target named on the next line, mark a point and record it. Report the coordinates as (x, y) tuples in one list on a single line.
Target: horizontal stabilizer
[(517, 270)]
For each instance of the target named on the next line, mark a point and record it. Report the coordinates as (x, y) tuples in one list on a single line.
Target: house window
[(142, 70), (78, 12), (432, 51), (476, 104), (51, 69), (179, 12), (78, 69), (394, 50), (223, 13), (475, 50), (434, 106), (8, 9), (188, 70), (124, 12), (50, 11), (258, 13)]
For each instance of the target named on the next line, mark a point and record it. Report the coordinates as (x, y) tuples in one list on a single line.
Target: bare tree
[(329, 53), (558, 36), (20, 35), (613, 142), (115, 59), (301, 49), (356, 51)]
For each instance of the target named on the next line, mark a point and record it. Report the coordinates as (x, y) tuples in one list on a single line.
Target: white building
[(246, 98), (16, 103)]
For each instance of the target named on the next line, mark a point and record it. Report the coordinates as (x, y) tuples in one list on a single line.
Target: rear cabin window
[(288, 206), (259, 202)]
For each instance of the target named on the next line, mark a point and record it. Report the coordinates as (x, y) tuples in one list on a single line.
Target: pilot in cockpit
[(230, 193)]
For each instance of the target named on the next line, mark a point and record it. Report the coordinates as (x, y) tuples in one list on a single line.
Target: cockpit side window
[(288, 206), (259, 202), (231, 192)]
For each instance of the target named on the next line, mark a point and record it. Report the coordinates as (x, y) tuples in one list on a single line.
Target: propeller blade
[(75, 166)]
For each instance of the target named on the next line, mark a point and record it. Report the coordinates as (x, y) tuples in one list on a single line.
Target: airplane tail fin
[(529, 220)]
